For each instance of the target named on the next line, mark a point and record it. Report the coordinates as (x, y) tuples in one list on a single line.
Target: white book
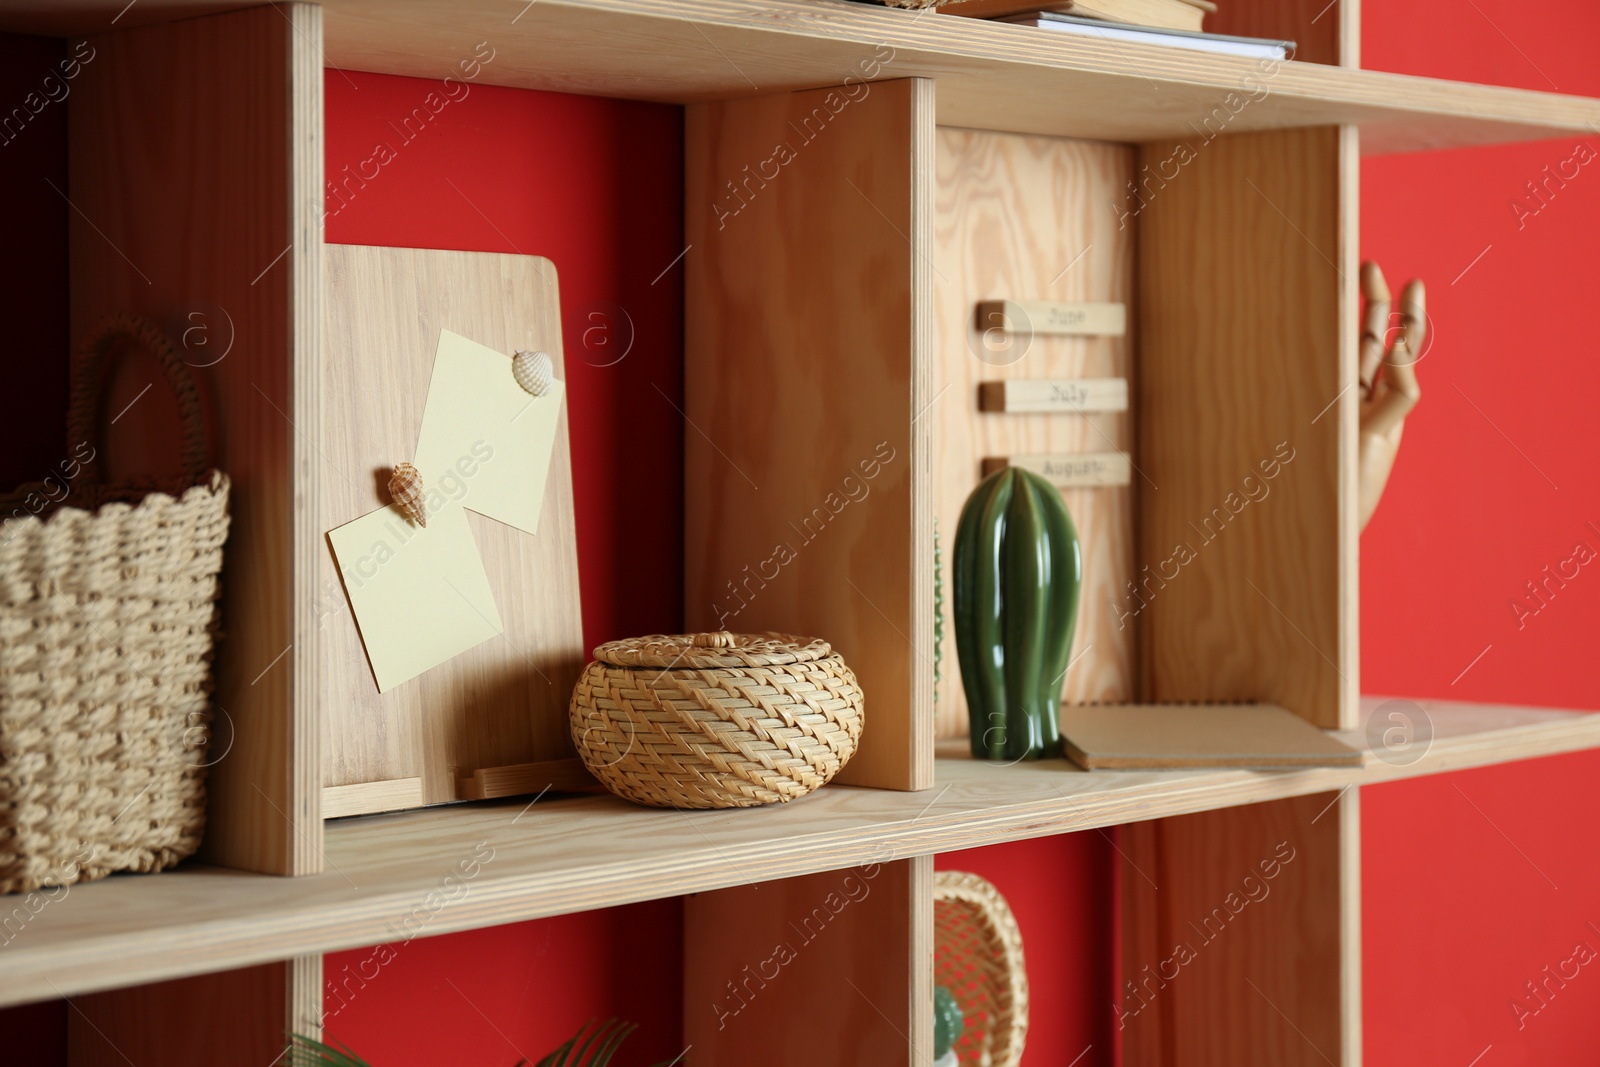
[(1249, 47)]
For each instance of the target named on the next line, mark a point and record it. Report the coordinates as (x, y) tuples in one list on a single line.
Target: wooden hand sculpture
[(1386, 401)]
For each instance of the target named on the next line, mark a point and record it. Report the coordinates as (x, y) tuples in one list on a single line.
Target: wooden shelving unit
[(817, 308)]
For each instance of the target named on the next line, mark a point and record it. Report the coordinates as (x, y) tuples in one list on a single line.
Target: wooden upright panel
[(503, 702), (243, 1016), (1231, 938), (1350, 33), (1033, 218), (808, 313), (833, 968), (1350, 1024), (196, 182), (1347, 412), (1243, 540)]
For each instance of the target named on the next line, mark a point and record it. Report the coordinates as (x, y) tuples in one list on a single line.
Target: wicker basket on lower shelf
[(977, 955), (716, 720)]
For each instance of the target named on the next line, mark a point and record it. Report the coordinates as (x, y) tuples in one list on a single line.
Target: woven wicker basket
[(107, 620), (977, 955), (715, 720)]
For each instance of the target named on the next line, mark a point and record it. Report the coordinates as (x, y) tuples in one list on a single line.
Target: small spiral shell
[(534, 371), (405, 487)]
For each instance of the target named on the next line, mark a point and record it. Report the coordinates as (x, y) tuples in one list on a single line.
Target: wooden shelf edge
[(444, 870), (990, 76)]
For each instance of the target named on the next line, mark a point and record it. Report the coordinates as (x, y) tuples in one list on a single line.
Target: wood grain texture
[(808, 970), (195, 176), (1350, 33), (1231, 940), (557, 776), (503, 702), (1346, 415), (1350, 927), (921, 962), (1031, 218), (238, 1016), (595, 852), (306, 282), (367, 798), (990, 76), (1238, 596), (305, 994), (806, 503)]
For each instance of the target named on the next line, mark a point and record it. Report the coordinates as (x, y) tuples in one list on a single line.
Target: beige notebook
[(1154, 736)]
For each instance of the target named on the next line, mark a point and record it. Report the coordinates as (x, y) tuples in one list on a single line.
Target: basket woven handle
[(91, 371), (720, 639)]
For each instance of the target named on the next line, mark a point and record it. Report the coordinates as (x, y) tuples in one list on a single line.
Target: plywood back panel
[(832, 968), (195, 179), (241, 1016), (1035, 218), (503, 702), (808, 306), (1242, 437), (1231, 938)]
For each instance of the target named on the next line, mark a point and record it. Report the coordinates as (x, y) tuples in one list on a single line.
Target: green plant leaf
[(600, 1043), (304, 1052)]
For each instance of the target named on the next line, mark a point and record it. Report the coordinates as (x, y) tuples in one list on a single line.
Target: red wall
[(1474, 883), (495, 996), (595, 186)]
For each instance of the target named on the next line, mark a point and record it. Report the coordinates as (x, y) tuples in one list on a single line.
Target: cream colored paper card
[(420, 595), (485, 441)]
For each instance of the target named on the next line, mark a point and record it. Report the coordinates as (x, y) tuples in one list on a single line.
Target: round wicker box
[(977, 955), (715, 720)]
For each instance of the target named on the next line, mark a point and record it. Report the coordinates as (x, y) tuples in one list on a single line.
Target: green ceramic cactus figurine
[(1017, 572), (948, 1024)]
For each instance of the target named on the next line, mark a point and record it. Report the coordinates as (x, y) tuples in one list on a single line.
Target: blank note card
[(420, 596), (485, 440)]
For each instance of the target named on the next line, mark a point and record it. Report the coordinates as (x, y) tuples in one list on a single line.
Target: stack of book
[(1159, 14), (1171, 22)]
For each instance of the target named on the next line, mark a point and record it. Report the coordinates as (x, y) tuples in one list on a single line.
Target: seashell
[(405, 487), (534, 371)]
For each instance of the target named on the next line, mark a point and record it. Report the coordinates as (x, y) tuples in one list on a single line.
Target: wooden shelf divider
[(807, 327), (195, 172)]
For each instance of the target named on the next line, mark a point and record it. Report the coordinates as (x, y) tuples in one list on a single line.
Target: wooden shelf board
[(990, 76), (565, 855)]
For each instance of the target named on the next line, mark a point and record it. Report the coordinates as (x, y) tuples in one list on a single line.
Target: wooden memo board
[(503, 704), (1031, 218)]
